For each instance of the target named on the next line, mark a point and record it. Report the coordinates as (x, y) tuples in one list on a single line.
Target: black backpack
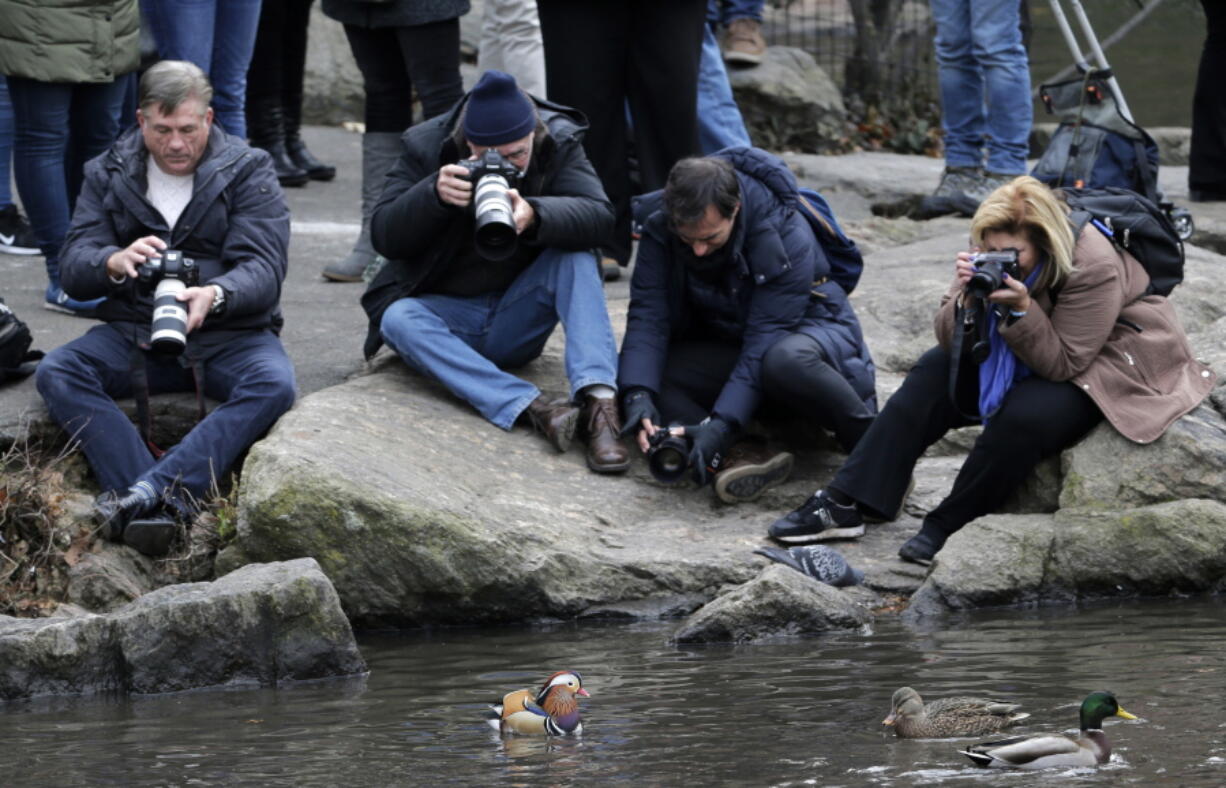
[(1134, 224), (16, 359)]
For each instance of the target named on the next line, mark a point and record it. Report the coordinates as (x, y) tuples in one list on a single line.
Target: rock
[(779, 602), (1077, 554), (332, 91), (789, 102), (421, 512), (109, 578), (262, 625), (1107, 471)]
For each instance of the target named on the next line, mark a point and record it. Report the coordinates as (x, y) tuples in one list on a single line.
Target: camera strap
[(140, 392), (961, 327)]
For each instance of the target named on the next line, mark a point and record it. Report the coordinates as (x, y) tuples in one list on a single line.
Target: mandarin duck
[(553, 710)]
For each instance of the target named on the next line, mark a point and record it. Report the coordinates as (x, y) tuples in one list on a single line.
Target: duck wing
[(1031, 752)]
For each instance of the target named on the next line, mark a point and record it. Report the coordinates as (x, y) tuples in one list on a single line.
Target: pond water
[(803, 712)]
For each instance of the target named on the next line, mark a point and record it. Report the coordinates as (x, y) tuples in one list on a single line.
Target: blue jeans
[(218, 36), (250, 375), (6, 144), (719, 120), (724, 11), (60, 126), (985, 84), (465, 342)]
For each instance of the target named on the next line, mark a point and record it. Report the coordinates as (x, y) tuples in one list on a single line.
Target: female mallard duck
[(553, 710), (1091, 748), (948, 717)]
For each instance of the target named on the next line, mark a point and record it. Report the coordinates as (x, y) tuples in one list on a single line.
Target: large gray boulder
[(332, 91), (261, 625), (1076, 554), (779, 602), (788, 102)]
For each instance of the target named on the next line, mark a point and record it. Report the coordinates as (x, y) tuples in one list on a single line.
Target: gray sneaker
[(956, 193)]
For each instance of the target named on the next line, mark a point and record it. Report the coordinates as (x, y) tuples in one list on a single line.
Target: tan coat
[(1123, 348)]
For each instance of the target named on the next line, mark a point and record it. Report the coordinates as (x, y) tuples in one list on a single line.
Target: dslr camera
[(492, 175), (668, 455), (991, 268), (167, 276)]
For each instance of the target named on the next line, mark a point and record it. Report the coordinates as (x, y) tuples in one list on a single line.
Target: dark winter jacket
[(420, 235), (393, 13), (771, 286), (69, 41), (236, 228)]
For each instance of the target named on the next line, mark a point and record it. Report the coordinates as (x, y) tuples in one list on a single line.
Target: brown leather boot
[(750, 469), (606, 451), (556, 419)]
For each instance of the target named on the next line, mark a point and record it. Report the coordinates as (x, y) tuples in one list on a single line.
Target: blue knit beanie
[(498, 112)]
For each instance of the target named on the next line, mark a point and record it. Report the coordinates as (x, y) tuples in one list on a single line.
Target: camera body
[(492, 175), (167, 276), (990, 270), (668, 456)]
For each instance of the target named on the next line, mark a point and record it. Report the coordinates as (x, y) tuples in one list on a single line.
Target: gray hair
[(168, 83)]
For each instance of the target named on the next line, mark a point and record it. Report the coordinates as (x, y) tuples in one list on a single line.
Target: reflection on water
[(803, 712)]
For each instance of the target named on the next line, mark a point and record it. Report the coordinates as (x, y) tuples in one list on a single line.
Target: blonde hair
[(1027, 207)]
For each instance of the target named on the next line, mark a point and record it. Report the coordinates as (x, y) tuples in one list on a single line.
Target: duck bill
[(583, 693), (889, 720), (1125, 715)]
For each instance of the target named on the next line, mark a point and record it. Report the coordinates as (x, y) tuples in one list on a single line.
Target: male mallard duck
[(948, 717), (1043, 752), (553, 710)]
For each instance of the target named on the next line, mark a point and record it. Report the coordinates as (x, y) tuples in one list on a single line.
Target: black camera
[(492, 175), (990, 270), (167, 276), (668, 456)]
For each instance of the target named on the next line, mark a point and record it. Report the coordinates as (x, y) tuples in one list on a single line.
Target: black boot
[(302, 158), (265, 127)]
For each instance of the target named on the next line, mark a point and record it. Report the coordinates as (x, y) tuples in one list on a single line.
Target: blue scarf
[(1001, 369)]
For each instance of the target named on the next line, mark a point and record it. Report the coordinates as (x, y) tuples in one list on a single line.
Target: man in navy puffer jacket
[(732, 310)]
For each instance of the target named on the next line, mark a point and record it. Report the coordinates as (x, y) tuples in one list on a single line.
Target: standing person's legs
[(293, 69), (264, 109), (961, 83), (431, 56), (720, 124), (183, 30), (80, 380), (1207, 159), (92, 129), (795, 371), (511, 42), (585, 66), (741, 9), (233, 42), (16, 237), (997, 48)]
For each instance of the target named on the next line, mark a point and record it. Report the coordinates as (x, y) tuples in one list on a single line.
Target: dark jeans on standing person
[(59, 127), (279, 59), (599, 54), (1207, 157), (1038, 418), (395, 60), (795, 375), (248, 373)]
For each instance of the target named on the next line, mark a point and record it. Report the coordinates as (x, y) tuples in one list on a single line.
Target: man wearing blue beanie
[(489, 221)]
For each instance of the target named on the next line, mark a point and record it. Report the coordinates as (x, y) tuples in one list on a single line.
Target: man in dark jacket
[(731, 307), (460, 310), (176, 183)]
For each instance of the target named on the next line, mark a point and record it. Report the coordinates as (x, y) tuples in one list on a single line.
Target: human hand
[(521, 210), (964, 269), (124, 262), (199, 301), (1013, 294), (708, 442), (453, 187), (641, 415)]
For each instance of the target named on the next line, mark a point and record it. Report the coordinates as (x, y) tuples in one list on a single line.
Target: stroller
[(1098, 144)]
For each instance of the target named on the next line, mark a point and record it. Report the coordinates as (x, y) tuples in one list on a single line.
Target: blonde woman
[(1073, 338)]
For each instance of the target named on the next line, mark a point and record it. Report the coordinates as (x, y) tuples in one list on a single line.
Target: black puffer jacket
[(236, 228), (420, 235), (773, 284)]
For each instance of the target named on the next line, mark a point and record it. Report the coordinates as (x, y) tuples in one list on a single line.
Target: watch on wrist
[(219, 300)]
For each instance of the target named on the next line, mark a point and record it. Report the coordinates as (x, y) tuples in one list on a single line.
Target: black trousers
[(1038, 418), (795, 376), (394, 60), (279, 58), (601, 54), (1207, 159)]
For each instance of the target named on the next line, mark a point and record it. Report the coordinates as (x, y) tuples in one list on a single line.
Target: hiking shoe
[(743, 43), (958, 192), (16, 237), (990, 182), (920, 549), (817, 520), (59, 301), (747, 474)]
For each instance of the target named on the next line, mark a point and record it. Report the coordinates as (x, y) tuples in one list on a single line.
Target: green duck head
[(1098, 706)]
